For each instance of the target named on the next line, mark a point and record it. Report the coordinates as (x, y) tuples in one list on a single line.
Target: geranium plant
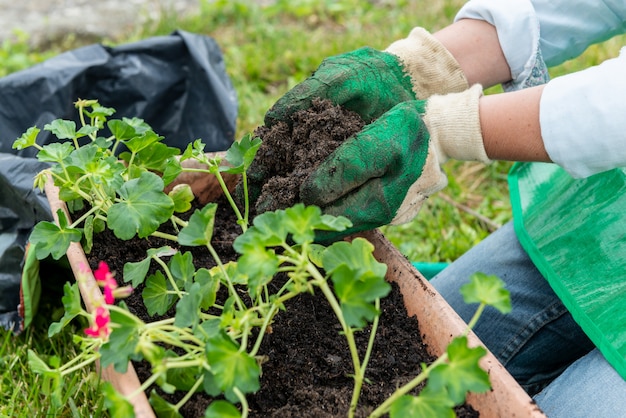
[(212, 344)]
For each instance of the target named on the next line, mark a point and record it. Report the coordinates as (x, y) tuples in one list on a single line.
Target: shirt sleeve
[(582, 118), (581, 114), (535, 34)]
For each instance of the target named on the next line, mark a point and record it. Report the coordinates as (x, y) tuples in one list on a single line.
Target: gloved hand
[(383, 174), (370, 82)]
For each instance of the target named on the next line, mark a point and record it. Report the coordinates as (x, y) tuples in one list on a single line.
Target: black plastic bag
[(177, 84)]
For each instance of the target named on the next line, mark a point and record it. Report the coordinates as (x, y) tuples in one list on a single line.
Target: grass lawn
[(267, 51)]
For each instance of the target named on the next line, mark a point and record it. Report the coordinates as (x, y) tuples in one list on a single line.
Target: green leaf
[(183, 378), (135, 272), (268, 231), (259, 264), (301, 222), (163, 408), (222, 409), (50, 239), (88, 226), (188, 308), (122, 342), (62, 129), (429, 404), (87, 130), (241, 153), (117, 405), (121, 129), (462, 373), (72, 308), (487, 289), (138, 143), (358, 279), (171, 169), (139, 124), (182, 196), (230, 368), (209, 286), (155, 295), (36, 364), (144, 207), (182, 269), (28, 138), (55, 152), (199, 229), (156, 157)]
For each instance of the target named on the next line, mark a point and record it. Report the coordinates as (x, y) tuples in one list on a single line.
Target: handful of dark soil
[(289, 154)]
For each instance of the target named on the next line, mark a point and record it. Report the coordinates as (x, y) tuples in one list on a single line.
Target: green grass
[(23, 393), (267, 50)]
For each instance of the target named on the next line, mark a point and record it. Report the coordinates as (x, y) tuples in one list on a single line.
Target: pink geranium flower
[(100, 326), (107, 281)]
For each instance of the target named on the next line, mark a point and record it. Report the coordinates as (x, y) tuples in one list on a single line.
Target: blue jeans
[(538, 341)]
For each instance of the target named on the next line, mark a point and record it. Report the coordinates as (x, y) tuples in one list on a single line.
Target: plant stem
[(243, 222), (160, 234), (189, 393), (169, 276), (145, 385), (231, 288), (360, 378), (385, 406), (244, 402), (320, 281), (268, 319), (80, 365)]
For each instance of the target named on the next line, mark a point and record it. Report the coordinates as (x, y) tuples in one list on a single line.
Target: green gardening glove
[(383, 174), (370, 82)]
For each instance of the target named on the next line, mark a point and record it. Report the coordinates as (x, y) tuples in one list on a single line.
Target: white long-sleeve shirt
[(582, 115)]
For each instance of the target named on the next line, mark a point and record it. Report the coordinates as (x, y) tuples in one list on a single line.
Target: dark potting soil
[(314, 134), (307, 369)]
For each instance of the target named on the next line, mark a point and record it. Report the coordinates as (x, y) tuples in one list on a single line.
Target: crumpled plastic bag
[(176, 83)]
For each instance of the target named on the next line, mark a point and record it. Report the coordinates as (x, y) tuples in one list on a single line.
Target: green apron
[(575, 233)]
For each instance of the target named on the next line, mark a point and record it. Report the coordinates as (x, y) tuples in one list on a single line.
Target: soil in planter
[(307, 374)]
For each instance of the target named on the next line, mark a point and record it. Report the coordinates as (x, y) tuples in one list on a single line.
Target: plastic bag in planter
[(574, 231), (176, 83)]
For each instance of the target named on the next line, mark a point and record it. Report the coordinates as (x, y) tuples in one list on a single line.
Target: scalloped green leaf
[(62, 129), (230, 368), (462, 373), (199, 229), (358, 279), (50, 239), (240, 154), (182, 196), (487, 289), (27, 139), (156, 294), (144, 207), (55, 152)]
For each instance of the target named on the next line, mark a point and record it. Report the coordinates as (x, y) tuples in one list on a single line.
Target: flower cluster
[(100, 327), (107, 282), (100, 317)]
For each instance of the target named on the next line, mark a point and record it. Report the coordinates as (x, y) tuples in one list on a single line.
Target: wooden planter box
[(438, 323)]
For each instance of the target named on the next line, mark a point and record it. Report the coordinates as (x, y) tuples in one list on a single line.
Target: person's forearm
[(475, 46), (510, 126)]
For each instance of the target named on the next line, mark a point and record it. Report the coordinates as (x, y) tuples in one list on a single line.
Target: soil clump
[(313, 135)]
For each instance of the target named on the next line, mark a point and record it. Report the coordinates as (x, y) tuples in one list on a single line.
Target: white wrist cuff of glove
[(453, 122), (432, 68)]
